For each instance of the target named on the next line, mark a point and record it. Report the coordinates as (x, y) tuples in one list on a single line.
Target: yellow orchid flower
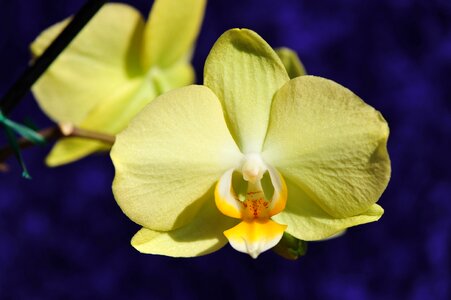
[(249, 155), (114, 67)]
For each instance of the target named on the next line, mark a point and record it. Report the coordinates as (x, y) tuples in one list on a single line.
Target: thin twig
[(4, 168), (69, 130), (64, 130)]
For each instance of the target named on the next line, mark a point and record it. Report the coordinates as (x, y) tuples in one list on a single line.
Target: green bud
[(290, 247)]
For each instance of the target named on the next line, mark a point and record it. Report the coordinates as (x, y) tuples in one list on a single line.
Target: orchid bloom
[(114, 67), (248, 156)]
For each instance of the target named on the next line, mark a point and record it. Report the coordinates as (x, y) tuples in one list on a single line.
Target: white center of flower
[(253, 167)]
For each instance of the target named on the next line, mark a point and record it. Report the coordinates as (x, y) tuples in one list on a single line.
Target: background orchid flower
[(114, 67), (249, 155), (291, 62)]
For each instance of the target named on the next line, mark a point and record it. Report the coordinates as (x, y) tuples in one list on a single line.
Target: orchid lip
[(257, 232)]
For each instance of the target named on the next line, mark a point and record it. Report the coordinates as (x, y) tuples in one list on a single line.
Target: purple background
[(63, 236)]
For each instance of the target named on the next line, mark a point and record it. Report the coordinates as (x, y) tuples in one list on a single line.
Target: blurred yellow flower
[(114, 67)]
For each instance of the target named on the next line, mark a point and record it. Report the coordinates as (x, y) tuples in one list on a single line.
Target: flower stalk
[(64, 130)]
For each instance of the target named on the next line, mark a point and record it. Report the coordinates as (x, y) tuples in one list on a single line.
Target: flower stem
[(64, 130), (16, 93), (69, 130)]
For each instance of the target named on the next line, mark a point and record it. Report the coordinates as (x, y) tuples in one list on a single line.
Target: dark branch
[(19, 89)]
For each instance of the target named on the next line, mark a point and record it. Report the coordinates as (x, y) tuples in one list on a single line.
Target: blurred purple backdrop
[(62, 236)]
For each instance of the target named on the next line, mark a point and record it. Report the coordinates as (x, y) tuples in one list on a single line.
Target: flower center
[(255, 205), (256, 232)]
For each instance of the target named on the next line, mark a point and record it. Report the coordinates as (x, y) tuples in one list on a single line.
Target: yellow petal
[(115, 113), (330, 143), (225, 197), (102, 57), (109, 116), (255, 237), (291, 61), (279, 198), (46, 37), (203, 235), (307, 221), (171, 31), (169, 157), (337, 235), (180, 75), (164, 80), (245, 73), (70, 149)]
